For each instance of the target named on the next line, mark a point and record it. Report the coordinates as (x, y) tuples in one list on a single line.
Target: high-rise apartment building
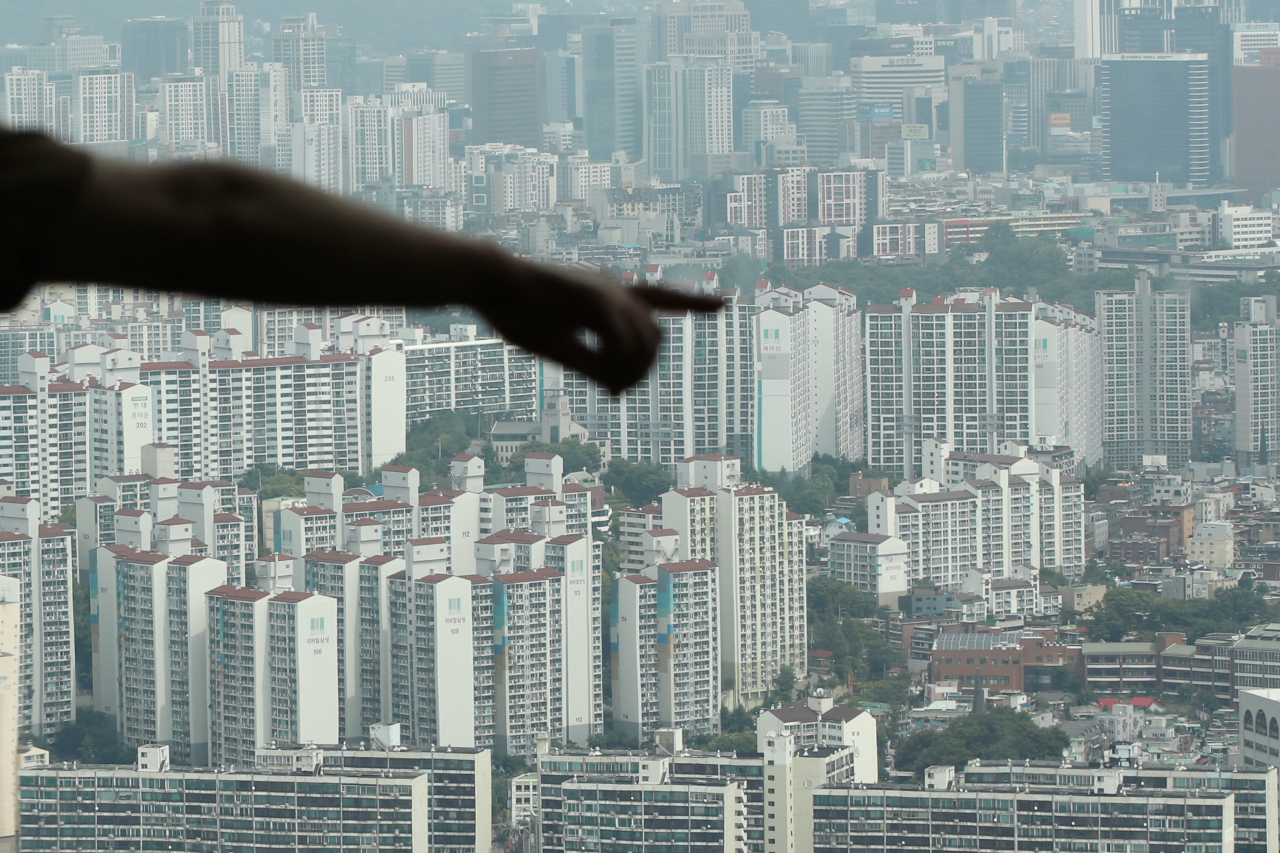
[(1146, 391), (665, 647), (188, 110), (217, 39), (506, 96), (469, 374), (958, 370), (699, 397), (761, 586), (810, 388), (328, 412), (1257, 380), (1068, 367), (298, 44), (258, 114), (614, 56), (151, 652), (102, 106), (1155, 117), (42, 559), (273, 674)]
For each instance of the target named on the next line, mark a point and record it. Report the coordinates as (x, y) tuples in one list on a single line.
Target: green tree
[(785, 683), (999, 734), (90, 739), (641, 482), (83, 635), (1122, 611)]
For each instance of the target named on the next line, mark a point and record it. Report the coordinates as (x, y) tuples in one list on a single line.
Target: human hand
[(545, 310)]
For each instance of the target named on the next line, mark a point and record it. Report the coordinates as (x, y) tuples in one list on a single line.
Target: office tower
[(217, 39), (739, 50), (283, 684), (882, 79), (299, 45), (978, 142), (1155, 117), (562, 92), (1097, 27), (681, 407), (614, 57), (42, 559), (665, 647), (154, 47), (1257, 379), (1202, 29), (257, 112), (1147, 374), (672, 22), (908, 11), (688, 117), (151, 656), (781, 16), (442, 70), (1068, 368), (1257, 127), (810, 385), (826, 107), (1027, 83), (944, 390), (506, 96), (188, 110), (1143, 29)]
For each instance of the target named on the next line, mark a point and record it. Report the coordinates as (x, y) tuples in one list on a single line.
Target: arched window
[(1274, 731), (1260, 723), (1248, 721)]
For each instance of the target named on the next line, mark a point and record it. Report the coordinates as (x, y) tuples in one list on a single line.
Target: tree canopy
[(1125, 611), (640, 482), (834, 611), (1000, 733)]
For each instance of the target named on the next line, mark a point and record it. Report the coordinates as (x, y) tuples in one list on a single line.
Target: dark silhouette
[(225, 230)]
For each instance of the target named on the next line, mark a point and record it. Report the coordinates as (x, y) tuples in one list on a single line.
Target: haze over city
[(943, 515)]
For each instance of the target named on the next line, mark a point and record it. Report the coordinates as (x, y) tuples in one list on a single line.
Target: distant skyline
[(390, 25)]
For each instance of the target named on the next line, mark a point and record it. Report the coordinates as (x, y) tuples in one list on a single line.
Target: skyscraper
[(1155, 117), (154, 47), (672, 21), (614, 58), (1201, 29), (978, 142), (217, 39), (1147, 374), (506, 96), (257, 112), (688, 116), (299, 45), (1257, 376)]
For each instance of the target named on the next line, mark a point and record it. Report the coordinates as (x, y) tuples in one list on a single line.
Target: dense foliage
[(858, 650), (640, 482), (91, 739), (1000, 733), (1129, 611)]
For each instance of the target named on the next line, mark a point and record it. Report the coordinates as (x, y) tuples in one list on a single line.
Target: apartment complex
[(1146, 390)]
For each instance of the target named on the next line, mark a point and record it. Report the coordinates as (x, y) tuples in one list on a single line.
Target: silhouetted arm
[(229, 231)]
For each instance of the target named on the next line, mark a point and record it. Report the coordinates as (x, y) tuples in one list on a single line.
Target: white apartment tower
[(698, 398), (217, 39), (258, 113), (665, 643), (151, 654), (298, 44), (1067, 356), (810, 385), (1257, 378), (1146, 339), (957, 370), (283, 684), (757, 547), (42, 560)]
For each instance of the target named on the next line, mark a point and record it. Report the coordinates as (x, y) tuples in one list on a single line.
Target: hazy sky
[(393, 25)]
